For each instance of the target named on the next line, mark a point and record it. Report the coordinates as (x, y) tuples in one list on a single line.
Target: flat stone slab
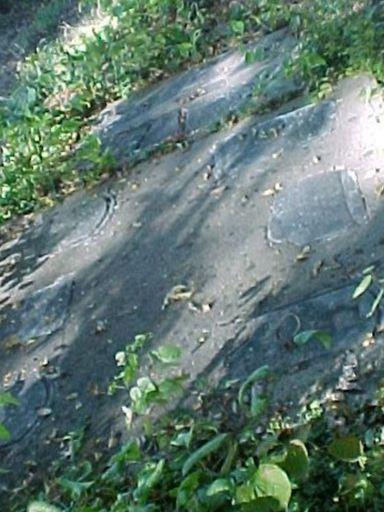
[(197, 99), (40, 314), (75, 222), (264, 141), (318, 207), (306, 368)]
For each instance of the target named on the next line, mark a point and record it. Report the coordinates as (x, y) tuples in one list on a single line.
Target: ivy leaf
[(363, 286), (188, 487), (205, 450), (296, 462), (167, 354), (305, 336), (220, 485), (347, 449), (148, 478), (272, 482), (238, 27)]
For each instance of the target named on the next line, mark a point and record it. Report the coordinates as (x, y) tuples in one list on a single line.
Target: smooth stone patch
[(75, 222), (20, 420), (196, 99), (257, 140), (318, 207), (41, 314)]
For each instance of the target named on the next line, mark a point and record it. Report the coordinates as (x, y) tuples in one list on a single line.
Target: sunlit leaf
[(40, 506), (362, 286), (220, 485), (148, 477), (376, 302), (271, 481), (167, 354)]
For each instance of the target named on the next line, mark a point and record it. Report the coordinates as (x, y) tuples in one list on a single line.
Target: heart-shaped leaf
[(271, 481), (348, 449)]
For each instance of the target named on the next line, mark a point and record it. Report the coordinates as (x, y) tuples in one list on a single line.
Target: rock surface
[(192, 103), (268, 222)]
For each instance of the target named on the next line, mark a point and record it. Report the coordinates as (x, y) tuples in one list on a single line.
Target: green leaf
[(258, 406), (148, 477), (271, 481), (347, 449), (245, 493), (258, 374), (238, 27), (296, 462), (305, 336), (187, 488), (40, 506), (75, 488), (5, 435), (205, 450), (167, 354), (130, 452), (8, 399), (257, 54), (362, 286), (171, 387), (183, 439), (220, 485), (376, 302)]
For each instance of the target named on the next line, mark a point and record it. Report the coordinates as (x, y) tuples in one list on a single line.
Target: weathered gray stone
[(74, 223), (41, 314), (257, 140), (299, 369), (197, 99), (317, 207), (20, 420)]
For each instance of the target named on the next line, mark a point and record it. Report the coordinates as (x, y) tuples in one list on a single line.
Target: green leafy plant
[(6, 399)]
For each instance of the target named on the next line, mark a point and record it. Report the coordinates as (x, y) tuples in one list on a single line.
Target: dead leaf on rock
[(277, 187), (72, 396), (200, 308), (44, 412), (178, 293), (380, 190), (12, 342), (218, 191), (101, 326), (317, 267), (128, 415), (95, 390), (304, 254), (206, 308)]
